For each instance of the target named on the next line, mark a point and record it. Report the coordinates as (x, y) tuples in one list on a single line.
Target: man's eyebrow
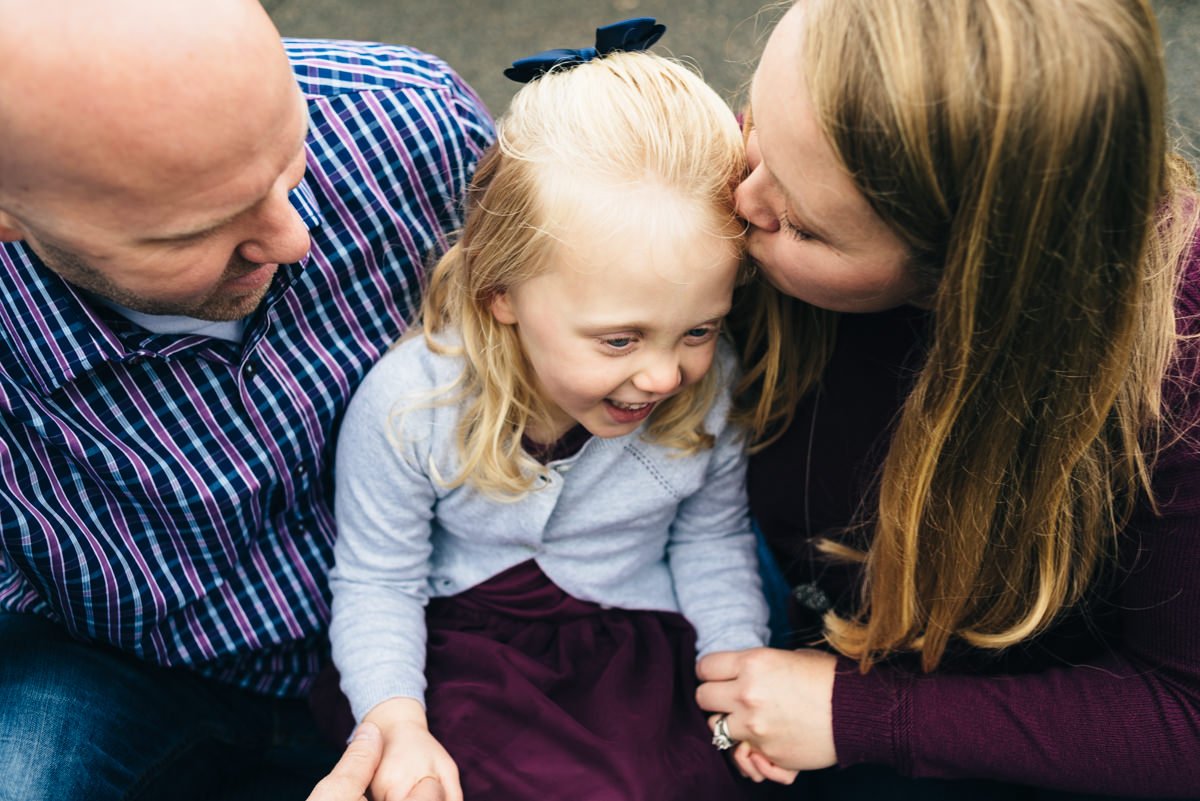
[(212, 225), (197, 233)]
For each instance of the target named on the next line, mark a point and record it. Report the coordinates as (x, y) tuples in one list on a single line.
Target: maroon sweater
[(1108, 701)]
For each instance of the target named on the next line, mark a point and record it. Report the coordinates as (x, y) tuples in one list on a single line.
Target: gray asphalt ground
[(723, 38)]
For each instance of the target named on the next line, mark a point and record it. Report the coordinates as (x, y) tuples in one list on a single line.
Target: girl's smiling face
[(620, 321), (813, 233)]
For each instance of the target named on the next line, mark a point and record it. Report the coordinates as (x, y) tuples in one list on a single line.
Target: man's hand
[(428, 789), (414, 764), (352, 774)]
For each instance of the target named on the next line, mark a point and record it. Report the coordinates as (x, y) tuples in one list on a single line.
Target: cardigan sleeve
[(384, 504), (711, 551)]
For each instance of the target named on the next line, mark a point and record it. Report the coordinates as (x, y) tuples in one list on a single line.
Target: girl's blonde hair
[(1018, 147), (576, 145)]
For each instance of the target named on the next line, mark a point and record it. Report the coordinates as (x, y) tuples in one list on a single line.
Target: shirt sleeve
[(423, 127), (711, 551), (384, 502), (456, 131)]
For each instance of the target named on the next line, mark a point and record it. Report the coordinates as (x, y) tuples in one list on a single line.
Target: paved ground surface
[(481, 37)]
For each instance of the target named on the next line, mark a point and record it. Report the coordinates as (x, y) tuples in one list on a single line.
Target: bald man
[(206, 238)]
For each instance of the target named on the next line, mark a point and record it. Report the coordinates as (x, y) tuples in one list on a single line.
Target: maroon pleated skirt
[(538, 695)]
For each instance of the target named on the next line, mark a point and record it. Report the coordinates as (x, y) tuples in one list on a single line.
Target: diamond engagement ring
[(721, 738)]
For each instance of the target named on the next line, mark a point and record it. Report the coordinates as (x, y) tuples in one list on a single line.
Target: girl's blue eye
[(702, 332), (619, 342)]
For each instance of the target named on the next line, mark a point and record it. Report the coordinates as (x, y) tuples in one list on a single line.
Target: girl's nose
[(661, 376)]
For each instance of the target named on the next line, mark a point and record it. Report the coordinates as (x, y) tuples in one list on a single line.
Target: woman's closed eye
[(793, 230)]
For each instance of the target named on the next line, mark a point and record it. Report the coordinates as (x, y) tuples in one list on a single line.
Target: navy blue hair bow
[(632, 34)]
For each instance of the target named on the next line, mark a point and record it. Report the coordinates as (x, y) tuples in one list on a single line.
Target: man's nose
[(279, 235)]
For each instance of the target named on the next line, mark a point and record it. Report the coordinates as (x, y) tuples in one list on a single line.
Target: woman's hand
[(779, 704), (411, 755), (756, 767)]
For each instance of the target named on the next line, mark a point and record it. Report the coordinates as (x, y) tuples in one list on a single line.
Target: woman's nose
[(753, 196), (753, 200)]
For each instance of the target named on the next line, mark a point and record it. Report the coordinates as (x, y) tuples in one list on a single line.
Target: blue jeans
[(86, 722)]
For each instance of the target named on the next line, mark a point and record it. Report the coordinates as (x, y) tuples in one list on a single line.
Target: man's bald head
[(147, 148), (87, 87)]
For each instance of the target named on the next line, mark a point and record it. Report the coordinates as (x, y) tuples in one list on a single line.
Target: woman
[(977, 462)]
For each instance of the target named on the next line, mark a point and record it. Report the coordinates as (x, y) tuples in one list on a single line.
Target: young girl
[(547, 464)]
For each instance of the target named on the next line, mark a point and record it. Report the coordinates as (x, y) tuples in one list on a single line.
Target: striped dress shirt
[(172, 494)]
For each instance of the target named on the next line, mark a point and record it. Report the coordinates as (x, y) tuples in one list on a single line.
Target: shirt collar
[(53, 335), (305, 204)]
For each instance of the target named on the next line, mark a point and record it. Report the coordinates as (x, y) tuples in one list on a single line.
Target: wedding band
[(721, 738)]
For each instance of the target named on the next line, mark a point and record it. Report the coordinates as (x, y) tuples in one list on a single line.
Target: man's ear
[(502, 308), (10, 229)]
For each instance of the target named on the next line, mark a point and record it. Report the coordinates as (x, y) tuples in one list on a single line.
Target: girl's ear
[(502, 308)]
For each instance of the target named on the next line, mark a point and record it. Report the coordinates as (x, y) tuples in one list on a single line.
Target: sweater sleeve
[(384, 505), (1127, 722), (711, 551)]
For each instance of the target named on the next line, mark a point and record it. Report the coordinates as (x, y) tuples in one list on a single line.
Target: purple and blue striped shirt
[(171, 494)]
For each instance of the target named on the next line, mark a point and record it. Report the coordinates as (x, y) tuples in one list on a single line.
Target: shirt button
[(301, 470), (248, 370)]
